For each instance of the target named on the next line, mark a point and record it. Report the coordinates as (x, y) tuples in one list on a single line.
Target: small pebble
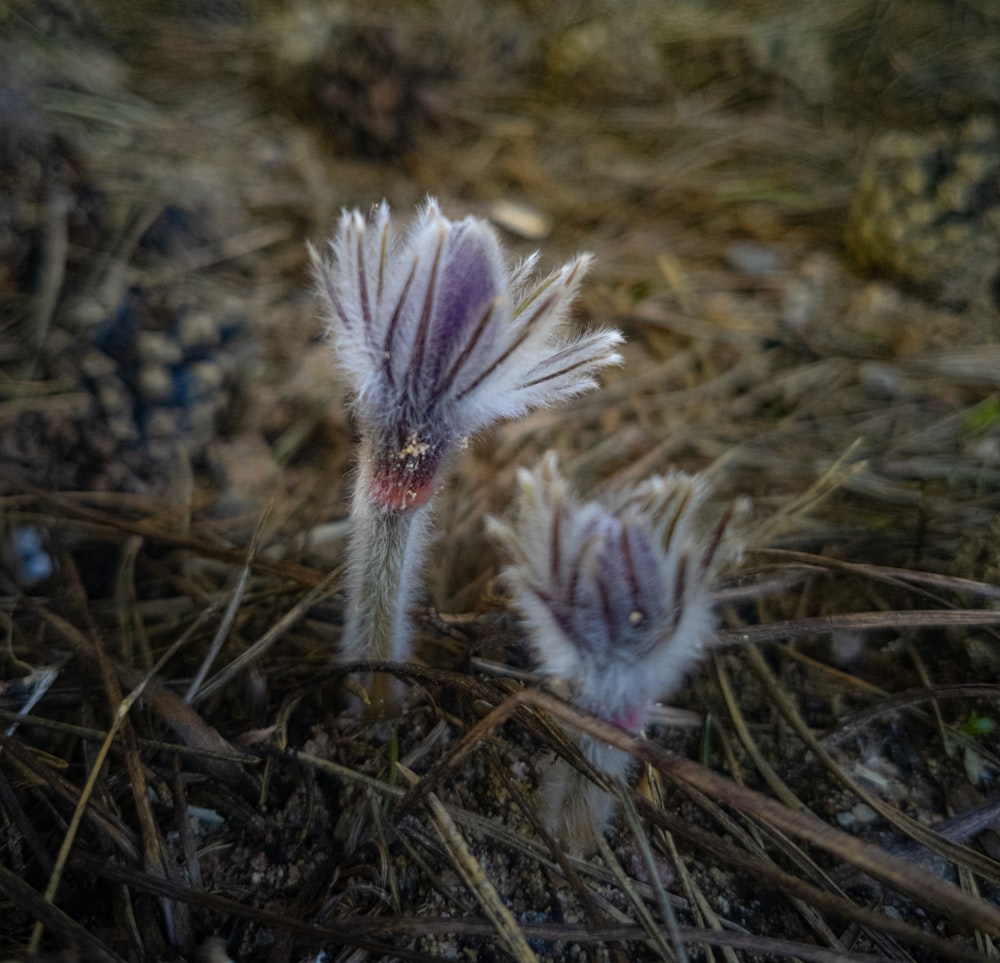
[(752, 258), (32, 564), (198, 328), (155, 383), (520, 219), (154, 347)]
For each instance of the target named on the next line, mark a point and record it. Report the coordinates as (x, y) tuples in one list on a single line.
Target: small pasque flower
[(617, 597), (439, 338)]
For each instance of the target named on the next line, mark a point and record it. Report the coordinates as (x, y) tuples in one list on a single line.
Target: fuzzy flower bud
[(439, 338), (617, 597)]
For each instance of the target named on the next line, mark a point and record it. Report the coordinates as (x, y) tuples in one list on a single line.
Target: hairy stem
[(384, 557)]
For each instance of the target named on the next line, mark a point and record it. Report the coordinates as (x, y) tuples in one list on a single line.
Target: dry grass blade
[(150, 834), (130, 624), (54, 919), (777, 785), (858, 621), (111, 828), (674, 950), (231, 609), (788, 519), (326, 586), (704, 913), (783, 793), (34, 685), (472, 873), (24, 825), (831, 905), (364, 933), (92, 649), (218, 757), (910, 698), (899, 873), (804, 897), (961, 855), (228, 754), (67, 509), (887, 573)]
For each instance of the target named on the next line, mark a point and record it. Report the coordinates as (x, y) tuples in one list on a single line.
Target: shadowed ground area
[(795, 216)]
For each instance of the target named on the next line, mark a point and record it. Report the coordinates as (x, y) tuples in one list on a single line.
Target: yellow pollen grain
[(635, 618), (415, 448)]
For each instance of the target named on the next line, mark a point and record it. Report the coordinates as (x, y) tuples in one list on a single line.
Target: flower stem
[(384, 555)]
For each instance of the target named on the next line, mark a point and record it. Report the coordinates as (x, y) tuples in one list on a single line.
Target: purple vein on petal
[(537, 293), (383, 251), (420, 339), (543, 597), (456, 365), (330, 290), (366, 308), (539, 311), (556, 278), (573, 583), (577, 570), (556, 374), (390, 334), (607, 611), (631, 574), (680, 587), (555, 535), (522, 336), (717, 536), (668, 534)]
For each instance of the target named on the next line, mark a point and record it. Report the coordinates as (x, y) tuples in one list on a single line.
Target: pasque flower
[(617, 597), (439, 338)]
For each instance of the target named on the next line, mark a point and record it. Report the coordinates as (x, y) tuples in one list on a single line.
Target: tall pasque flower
[(617, 597), (439, 339)]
